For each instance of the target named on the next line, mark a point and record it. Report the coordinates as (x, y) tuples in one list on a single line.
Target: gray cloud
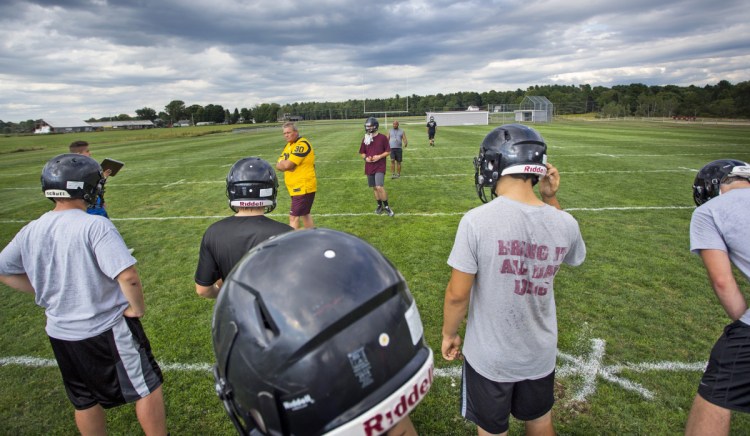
[(97, 57)]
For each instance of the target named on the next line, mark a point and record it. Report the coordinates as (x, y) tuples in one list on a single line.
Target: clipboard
[(113, 165)]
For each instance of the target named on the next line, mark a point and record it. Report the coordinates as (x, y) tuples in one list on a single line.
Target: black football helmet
[(710, 177), (252, 182), (371, 125), (72, 175), (509, 149), (316, 332)]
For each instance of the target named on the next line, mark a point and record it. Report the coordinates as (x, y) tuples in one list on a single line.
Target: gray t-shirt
[(396, 137), (721, 224), (72, 260), (515, 250)]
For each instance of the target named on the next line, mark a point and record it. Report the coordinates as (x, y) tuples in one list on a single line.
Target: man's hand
[(451, 347), (548, 186)]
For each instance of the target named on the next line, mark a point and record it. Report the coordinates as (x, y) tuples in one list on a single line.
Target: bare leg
[(707, 419), (91, 421), (307, 221), (294, 221), (151, 413)]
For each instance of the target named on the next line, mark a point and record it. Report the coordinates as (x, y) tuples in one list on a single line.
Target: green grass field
[(636, 320)]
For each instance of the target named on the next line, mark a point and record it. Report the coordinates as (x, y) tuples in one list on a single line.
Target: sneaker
[(390, 212), (398, 175), (393, 176), (379, 210)]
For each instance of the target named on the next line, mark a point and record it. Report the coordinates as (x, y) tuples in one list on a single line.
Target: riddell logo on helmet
[(381, 420), (534, 169), (243, 203)]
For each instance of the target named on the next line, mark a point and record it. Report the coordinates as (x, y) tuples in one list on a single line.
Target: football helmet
[(712, 175), (252, 182), (314, 332), (509, 149), (72, 175), (371, 125)]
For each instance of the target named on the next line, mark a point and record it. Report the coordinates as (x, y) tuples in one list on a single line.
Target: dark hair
[(77, 146)]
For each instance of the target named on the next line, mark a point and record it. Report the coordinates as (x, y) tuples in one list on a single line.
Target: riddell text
[(380, 422)]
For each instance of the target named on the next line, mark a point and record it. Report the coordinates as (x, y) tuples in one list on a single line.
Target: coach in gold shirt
[(297, 161)]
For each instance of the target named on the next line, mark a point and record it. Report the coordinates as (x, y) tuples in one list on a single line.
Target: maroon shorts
[(302, 204)]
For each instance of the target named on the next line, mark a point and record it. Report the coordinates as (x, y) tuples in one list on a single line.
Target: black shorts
[(726, 381), (430, 135), (489, 404), (397, 154), (110, 369)]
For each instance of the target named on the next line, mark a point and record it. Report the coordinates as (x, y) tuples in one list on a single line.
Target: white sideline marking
[(409, 214), (589, 367), (359, 177), (179, 182)]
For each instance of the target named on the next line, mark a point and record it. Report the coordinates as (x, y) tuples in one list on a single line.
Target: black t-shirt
[(226, 241)]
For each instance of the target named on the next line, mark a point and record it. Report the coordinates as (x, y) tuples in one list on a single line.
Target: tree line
[(723, 100)]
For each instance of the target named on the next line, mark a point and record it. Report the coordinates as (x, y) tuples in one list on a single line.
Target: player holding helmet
[(251, 188), (81, 273), (335, 348), (504, 258), (374, 149), (720, 235)]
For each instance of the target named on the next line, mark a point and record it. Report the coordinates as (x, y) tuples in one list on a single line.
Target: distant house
[(182, 123), (472, 108), (61, 125), (292, 118), (129, 124)]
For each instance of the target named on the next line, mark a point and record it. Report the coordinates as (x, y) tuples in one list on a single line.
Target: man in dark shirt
[(251, 187)]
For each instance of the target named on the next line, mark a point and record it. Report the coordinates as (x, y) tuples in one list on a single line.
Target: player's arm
[(19, 282), (209, 291), (455, 306), (132, 288), (403, 140), (285, 165), (719, 269)]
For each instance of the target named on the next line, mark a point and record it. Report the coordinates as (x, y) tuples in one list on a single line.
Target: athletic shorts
[(110, 369), (377, 179), (397, 154), (726, 381), (430, 135), (489, 404), (302, 204)]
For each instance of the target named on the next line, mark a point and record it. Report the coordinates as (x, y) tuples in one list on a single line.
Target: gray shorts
[(377, 179)]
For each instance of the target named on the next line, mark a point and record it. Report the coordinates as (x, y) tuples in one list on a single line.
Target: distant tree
[(123, 117), (175, 110), (146, 113), (235, 116), (247, 114)]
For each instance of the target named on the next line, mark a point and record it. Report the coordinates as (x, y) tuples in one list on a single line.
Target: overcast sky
[(96, 58)]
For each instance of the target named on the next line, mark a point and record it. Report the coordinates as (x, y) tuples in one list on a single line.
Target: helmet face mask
[(336, 346), (509, 149), (707, 184), (371, 125), (252, 182), (73, 176)]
